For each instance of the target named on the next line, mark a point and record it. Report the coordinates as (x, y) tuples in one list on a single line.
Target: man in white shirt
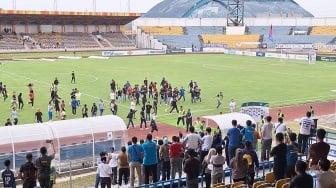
[(192, 140), (232, 106), (112, 96), (114, 165), (266, 139), (325, 177), (207, 142), (105, 173), (280, 127), (305, 125)]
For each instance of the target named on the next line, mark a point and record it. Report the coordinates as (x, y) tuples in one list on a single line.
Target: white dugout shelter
[(224, 120), (74, 139)]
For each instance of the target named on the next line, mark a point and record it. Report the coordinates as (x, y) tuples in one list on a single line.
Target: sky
[(319, 8)]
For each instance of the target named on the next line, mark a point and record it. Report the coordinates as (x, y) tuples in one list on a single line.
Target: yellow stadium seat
[(323, 30), (269, 177), (236, 184), (232, 41), (163, 30), (281, 182), (286, 185), (255, 184)]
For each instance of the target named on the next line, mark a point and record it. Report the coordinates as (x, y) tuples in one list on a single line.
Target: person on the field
[(73, 77)]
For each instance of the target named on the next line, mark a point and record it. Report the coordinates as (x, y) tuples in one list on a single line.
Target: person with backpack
[(43, 166), (8, 176), (28, 172), (252, 160)]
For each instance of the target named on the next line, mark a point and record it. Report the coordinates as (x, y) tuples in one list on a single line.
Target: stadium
[(267, 55)]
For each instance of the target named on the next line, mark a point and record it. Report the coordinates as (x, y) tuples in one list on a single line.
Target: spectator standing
[(175, 150), (325, 177), (318, 150), (105, 173), (217, 162), (52, 174), (280, 127), (302, 179), (207, 167), (279, 153), (28, 172), (239, 166), (114, 165), (135, 155), (123, 165), (207, 141), (306, 124), (248, 132), (192, 140), (252, 160), (43, 166), (150, 159), (234, 139), (192, 167), (266, 139), (164, 156), (8, 175), (291, 155), (256, 136)]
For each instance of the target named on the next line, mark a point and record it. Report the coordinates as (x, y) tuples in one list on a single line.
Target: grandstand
[(45, 31)]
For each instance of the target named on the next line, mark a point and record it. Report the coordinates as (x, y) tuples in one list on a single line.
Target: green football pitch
[(278, 82)]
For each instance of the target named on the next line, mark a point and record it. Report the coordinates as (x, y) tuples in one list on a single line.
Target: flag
[(270, 33)]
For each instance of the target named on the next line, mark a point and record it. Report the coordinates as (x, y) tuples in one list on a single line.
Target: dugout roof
[(65, 18)]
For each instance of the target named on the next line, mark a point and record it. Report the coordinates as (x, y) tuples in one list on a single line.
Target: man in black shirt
[(28, 172), (192, 167), (279, 154), (302, 179)]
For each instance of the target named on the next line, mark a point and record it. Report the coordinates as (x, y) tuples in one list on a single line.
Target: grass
[(242, 78)]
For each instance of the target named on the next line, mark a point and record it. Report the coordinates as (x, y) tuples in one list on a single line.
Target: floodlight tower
[(94, 5), (14, 4), (55, 5), (235, 15)]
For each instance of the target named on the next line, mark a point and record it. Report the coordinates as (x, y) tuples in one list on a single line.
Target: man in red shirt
[(318, 150), (175, 150)]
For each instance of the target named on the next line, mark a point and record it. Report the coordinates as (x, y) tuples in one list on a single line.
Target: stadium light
[(55, 5), (14, 4), (94, 6)]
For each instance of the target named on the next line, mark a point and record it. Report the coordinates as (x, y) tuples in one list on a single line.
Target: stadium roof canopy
[(220, 9), (65, 18)]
